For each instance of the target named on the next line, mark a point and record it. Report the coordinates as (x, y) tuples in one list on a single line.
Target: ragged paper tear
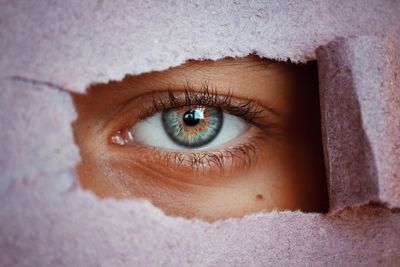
[(46, 219)]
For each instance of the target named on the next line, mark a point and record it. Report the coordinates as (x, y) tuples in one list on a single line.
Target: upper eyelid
[(161, 85), (244, 108), (126, 105), (205, 88), (208, 86)]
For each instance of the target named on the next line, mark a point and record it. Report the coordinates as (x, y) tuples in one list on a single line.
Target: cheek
[(278, 178), (268, 185)]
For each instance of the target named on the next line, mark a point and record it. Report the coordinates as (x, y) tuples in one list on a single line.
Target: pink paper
[(50, 48)]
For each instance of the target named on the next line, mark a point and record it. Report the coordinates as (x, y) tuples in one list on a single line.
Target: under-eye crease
[(243, 151)]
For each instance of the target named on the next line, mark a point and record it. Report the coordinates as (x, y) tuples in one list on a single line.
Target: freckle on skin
[(259, 197)]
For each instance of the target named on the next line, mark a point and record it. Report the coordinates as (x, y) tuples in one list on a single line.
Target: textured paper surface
[(47, 220), (74, 43), (360, 96)]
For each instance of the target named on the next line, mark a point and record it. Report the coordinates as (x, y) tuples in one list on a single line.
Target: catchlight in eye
[(192, 126)]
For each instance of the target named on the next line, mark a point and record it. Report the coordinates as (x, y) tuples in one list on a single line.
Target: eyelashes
[(241, 155), (206, 96)]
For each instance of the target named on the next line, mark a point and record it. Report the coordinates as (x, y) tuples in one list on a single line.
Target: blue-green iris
[(192, 127)]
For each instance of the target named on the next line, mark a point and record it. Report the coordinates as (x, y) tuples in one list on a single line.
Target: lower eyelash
[(241, 156), (244, 154)]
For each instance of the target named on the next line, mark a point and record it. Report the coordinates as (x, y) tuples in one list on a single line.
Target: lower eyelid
[(235, 157), (199, 168), (142, 107)]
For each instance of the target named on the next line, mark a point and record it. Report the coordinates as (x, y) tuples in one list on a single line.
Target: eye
[(188, 127), (191, 121), (209, 140)]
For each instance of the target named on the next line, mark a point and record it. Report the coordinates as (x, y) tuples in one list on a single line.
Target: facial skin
[(274, 163)]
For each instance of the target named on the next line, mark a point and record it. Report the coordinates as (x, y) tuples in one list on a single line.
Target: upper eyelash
[(206, 96)]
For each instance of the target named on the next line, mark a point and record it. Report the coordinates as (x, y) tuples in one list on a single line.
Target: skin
[(284, 172)]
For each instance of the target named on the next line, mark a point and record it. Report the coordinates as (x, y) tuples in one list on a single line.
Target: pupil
[(191, 117)]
